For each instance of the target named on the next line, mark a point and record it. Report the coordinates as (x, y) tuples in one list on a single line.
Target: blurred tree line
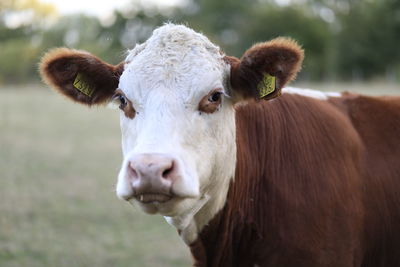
[(343, 39)]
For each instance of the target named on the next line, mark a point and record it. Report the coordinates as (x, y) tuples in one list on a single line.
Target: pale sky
[(101, 7)]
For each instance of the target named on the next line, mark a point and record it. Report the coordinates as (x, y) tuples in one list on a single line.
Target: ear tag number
[(82, 85), (267, 85)]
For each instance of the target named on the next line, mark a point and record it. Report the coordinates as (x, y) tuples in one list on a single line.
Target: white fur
[(165, 78), (310, 93)]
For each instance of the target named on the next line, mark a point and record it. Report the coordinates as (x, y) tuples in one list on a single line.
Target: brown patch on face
[(281, 58), (211, 102), (62, 67), (125, 104)]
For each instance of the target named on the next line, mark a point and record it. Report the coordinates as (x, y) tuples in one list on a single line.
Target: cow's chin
[(171, 208)]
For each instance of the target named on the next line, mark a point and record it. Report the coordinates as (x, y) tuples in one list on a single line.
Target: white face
[(180, 145)]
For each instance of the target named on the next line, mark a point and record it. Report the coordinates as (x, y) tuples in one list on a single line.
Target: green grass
[(58, 167)]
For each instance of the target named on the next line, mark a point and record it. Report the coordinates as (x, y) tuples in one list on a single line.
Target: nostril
[(166, 173)]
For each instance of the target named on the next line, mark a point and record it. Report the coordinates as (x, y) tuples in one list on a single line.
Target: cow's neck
[(233, 227), (216, 243)]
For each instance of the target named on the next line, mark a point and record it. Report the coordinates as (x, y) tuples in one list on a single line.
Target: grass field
[(58, 167)]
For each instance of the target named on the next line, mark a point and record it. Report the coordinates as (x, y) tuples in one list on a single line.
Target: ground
[(58, 167)]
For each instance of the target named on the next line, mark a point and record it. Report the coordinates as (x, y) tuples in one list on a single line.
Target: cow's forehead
[(175, 41), (174, 58)]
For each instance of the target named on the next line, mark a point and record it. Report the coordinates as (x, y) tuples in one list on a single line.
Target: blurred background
[(59, 161)]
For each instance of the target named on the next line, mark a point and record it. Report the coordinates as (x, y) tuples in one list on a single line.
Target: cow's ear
[(80, 76), (265, 68)]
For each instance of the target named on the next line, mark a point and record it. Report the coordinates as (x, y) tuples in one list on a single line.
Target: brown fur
[(280, 57), (317, 184), (60, 66)]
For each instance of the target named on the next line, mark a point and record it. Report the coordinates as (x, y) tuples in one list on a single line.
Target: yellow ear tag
[(82, 85), (267, 85)]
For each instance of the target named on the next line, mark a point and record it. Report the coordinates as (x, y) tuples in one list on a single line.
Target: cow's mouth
[(148, 198)]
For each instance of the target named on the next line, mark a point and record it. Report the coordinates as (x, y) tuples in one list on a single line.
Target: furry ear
[(265, 68), (79, 75)]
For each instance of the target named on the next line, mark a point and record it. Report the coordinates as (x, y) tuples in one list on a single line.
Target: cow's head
[(176, 93)]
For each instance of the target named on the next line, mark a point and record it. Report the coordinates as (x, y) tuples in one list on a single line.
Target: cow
[(249, 171)]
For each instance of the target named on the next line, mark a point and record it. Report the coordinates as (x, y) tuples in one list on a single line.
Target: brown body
[(317, 184)]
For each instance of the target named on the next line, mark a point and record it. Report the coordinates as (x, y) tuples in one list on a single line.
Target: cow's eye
[(215, 97), (120, 100), (211, 102), (123, 102)]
